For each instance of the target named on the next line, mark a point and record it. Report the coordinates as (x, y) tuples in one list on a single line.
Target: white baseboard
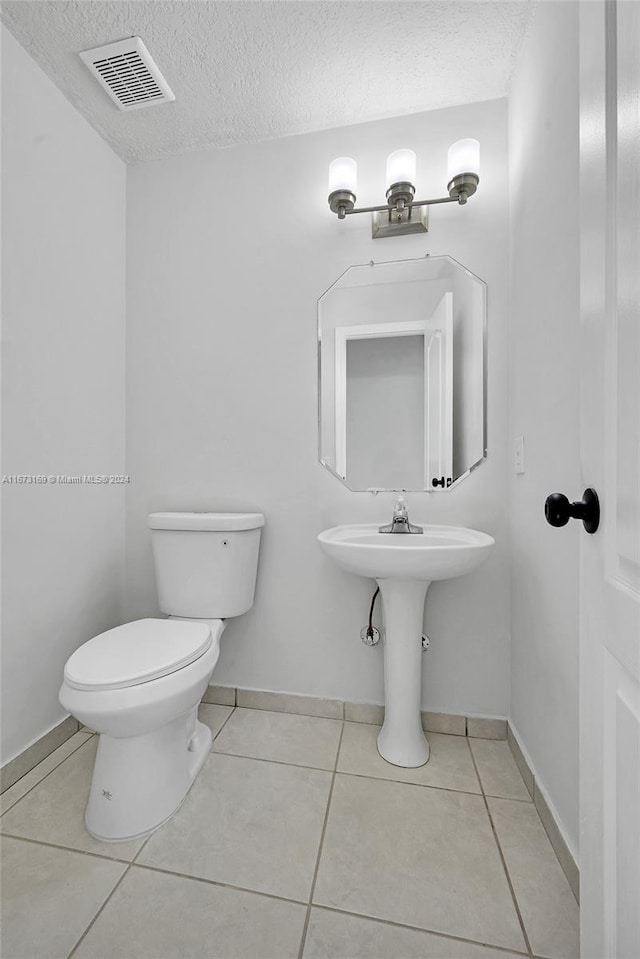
[(554, 827), (454, 724), (16, 768)]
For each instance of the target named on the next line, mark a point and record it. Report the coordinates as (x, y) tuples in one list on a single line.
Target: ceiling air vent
[(127, 72)]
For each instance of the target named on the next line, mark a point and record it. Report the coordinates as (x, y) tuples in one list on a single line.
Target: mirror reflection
[(402, 375)]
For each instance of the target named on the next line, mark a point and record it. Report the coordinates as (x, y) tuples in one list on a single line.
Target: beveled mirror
[(402, 375)]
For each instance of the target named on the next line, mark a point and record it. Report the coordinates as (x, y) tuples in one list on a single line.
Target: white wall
[(63, 264), (228, 252), (543, 145)]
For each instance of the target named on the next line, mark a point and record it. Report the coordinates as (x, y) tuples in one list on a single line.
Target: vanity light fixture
[(402, 214)]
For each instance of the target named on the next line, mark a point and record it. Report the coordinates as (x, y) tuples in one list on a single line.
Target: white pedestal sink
[(404, 565)]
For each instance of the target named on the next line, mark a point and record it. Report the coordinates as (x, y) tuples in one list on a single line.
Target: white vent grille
[(128, 73)]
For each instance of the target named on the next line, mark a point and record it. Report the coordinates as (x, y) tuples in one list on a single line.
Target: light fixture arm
[(387, 207), (460, 189)]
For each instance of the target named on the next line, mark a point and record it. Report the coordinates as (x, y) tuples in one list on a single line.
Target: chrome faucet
[(400, 522)]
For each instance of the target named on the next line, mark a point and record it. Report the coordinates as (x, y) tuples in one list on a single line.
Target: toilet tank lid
[(206, 521)]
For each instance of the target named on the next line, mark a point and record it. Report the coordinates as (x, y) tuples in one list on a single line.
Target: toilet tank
[(206, 563)]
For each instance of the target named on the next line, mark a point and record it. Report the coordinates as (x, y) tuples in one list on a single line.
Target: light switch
[(518, 454)]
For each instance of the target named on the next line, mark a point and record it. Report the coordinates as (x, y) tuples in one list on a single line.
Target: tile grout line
[(404, 782), (46, 775), (276, 762), (55, 845), (307, 917), (107, 900), (503, 860), (286, 712), (344, 772), (475, 768), (213, 738), (431, 932), (150, 868), (218, 882)]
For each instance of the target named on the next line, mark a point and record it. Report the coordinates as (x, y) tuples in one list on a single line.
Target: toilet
[(139, 685)]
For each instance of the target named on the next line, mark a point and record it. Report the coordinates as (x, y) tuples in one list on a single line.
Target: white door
[(610, 423)]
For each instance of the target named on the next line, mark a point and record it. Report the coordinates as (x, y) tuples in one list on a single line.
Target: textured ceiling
[(246, 71)]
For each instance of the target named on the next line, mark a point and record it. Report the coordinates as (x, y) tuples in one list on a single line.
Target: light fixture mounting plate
[(394, 222)]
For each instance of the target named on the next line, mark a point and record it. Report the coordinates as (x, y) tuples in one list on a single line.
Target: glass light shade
[(401, 167), (343, 175), (463, 157)]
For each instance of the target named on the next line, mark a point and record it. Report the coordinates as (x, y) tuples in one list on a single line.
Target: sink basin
[(404, 565), (441, 552)]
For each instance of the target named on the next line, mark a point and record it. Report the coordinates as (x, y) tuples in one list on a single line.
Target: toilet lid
[(136, 653)]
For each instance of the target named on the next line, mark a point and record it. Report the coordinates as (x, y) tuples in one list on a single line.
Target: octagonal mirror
[(402, 375)]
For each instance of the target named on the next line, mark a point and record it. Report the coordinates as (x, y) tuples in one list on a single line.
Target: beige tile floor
[(297, 841)]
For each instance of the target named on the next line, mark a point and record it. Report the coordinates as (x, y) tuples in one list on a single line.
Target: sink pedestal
[(401, 740), (403, 566)]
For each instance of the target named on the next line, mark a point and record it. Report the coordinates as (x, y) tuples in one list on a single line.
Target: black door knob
[(558, 510)]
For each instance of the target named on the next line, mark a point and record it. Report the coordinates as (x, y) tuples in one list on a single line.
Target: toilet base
[(140, 782)]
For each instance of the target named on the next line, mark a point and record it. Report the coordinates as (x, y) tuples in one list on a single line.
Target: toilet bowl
[(139, 685), (144, 706)]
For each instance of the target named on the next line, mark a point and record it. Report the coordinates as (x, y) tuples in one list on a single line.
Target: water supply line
[(369, 635), (373, 603)]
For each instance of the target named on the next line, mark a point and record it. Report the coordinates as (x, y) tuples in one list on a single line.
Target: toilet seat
[(136, 653)]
